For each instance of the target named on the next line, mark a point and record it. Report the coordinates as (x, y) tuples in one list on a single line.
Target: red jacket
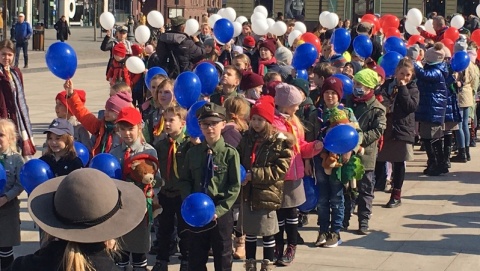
[(436, 38), (118, 72)]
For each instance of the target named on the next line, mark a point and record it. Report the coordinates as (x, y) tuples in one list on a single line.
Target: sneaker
[(288, 256), (160, 266), (321, 239), (362, 231), (333, 240)]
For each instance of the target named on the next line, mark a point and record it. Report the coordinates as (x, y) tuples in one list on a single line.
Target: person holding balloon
[(117, 70), (11, 163), (120, 37), (60, 154), (440, 27), (230, 81), (287, 100)]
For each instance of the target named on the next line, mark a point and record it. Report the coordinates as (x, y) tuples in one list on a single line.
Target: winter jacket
[(231, 134), (401, 105), (438, 37), (306, 109), (272, 160), (452, 111), (23, 32), (107, 45), (465, 96), (305, 149), (183, 48), (433, 93), (62, 30)]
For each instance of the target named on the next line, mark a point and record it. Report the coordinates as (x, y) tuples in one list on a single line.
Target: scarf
[(363, 98), (262, 64), (107, 137), (291, 129), (158, 129)]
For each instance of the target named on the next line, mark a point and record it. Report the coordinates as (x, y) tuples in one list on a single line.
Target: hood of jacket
[(175, 38)]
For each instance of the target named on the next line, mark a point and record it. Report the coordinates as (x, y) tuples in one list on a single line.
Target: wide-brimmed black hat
[(87, 206)]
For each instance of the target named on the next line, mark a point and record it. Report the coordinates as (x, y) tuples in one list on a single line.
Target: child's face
[(327, 52), (290, 110), (165, 96), (61, 110), (6, 57), (276, 78), (4, 141), (154, 84), (118, 58), (404, 74), (246, 30), (173, 124), (318, 80), (348, 70), (239, 64), (212, 128), (110, 115), (55, 143), (129, 133), (331, 98), (254, 93), (258, 123), (229, 78), (208, 49), (265, 54)]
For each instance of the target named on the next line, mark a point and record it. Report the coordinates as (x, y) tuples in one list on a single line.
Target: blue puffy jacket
[(452, 113), (23, 32), (433, 93)]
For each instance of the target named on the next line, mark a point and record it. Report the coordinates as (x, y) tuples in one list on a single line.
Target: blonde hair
[(121, 87), (298, 124), (68, 139), (267, 132), (178, 111), (8, 127), (242, 57), (238, 111), (74, 259)]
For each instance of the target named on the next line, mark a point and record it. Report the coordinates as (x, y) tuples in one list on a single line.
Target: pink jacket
[(307, 150)]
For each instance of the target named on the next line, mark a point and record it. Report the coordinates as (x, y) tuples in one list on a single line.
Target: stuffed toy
[(142, 169)]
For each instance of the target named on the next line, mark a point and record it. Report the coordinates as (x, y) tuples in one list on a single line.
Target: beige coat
[(470, 80)]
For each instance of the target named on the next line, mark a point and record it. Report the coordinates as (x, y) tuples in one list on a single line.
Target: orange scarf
[(291, 129), (158, 129)]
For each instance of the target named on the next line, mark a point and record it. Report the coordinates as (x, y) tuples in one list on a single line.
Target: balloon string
[(200, 231)]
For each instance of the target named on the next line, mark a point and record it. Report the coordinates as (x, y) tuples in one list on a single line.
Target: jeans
[(330, 201), (23, 46), (365, 198), (463, 133)]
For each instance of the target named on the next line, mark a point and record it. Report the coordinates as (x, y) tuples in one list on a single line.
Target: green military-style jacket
[(224, 186), (219, 98)]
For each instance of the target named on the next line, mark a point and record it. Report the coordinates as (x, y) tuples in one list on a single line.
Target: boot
[(447, 149), (439, 166), (473, 136), (288, 256), (160, 266), (467, 153), (250, 265), (432, 159), (278, 254), (395, 199), (461, 157), (267, 265), (239, 245)]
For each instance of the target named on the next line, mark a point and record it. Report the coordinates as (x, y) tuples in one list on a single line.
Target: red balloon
[(451, 33), (414, 39), (476, 36), (449, 44), (370, 18), (392, 32), (312, 39), (389, 20), (478, 54)]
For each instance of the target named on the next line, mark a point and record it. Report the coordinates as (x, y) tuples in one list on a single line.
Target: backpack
[(169, 63)]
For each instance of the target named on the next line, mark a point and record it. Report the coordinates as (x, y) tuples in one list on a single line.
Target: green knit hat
[(367, 77)]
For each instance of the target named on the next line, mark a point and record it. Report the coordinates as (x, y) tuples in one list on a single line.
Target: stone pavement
[(436, 228)]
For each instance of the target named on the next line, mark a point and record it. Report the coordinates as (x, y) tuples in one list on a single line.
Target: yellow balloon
[(347, 56)]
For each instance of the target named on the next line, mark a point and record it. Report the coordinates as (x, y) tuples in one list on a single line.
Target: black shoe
[(362, 231), (393, 203), (461, 157), (467, 153)]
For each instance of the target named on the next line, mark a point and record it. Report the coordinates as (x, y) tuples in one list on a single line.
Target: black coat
[(62, 30), (50, 258)]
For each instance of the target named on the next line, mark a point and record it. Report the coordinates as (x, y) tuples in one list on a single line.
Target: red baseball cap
[(130, 115)]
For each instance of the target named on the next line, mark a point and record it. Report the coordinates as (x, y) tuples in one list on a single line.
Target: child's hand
[(401, 82), (68, 86), (308, 168), (318, 145), (214, 217)]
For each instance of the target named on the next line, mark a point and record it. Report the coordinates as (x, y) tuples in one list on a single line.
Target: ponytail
[(74, 260)]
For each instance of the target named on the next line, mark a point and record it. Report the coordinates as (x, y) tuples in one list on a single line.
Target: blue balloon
[(33, 173), (460, 61), (311, 194), (193, 128), (61, 60), (347, 84), (208, 77), (389, 62), (187, 89), (3, 179), (151, 73), (341, 40), (304, 56), (223, 30), (395, 44), (198, 210), (341, 139), (82, 152), (243, 174), (107, 164), (363, 46), (303, 74)]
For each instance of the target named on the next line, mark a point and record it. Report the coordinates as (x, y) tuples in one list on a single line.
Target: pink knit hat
[(287, 95), (119, 101)]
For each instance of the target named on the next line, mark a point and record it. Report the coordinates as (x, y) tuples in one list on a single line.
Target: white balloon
[(322, 17), (331, 21), (457, 21), (155, 19), (230, 14), (300, 27), (191, 27), (260, 27), (429, 27), (142, 33), (262, 10), (241, 19), (278, 29), (270, 22), (411, 27), (415, 17), (213, 19), (478, 10), (107, 20), (293, 36), (257, 16), (237, 29), (135, 65), (221, 12)]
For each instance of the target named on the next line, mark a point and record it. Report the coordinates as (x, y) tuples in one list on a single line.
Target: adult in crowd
[(176, 46), (473, 23), (365, 28), (439, 25), (63, 31), (13, 104), (82, 214), (205, 32), (22, 33), (120, 37), (246, 31)]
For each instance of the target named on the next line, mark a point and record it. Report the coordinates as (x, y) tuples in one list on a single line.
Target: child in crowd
[(102, 129), (242, 62), (272, 77), (60, 154), (212, 167), (230, 81), (265, 153), (320, 73), (9, 203), (252, 85), (287, 101), (136, 242), (211, 52), (119, 87), (226, 54), (117, 71), (171, 154), (138, 86), (80, 134)]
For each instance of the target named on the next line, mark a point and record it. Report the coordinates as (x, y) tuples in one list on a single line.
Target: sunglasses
[(206, 125)]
